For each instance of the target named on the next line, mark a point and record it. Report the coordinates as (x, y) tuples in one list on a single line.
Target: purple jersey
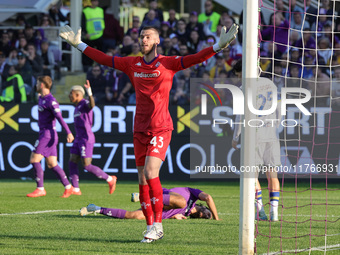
[(49, 111), (190, 195), (83, 119)]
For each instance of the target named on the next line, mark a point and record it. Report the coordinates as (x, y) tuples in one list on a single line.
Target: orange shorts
[(150, 144)]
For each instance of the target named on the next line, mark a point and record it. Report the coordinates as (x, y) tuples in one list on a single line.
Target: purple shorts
[(82, 148), (46, 145)]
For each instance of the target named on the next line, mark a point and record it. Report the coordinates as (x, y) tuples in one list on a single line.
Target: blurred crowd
[(178, 36), (299, 47), (28, 53)]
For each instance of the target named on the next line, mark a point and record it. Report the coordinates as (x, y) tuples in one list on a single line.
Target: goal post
[(247, 178)]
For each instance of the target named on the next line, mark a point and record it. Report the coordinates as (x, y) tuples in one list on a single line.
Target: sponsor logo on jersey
[(77, 114), (157, 65), (43, 101), (154, 74), (155, 150), (139, 64), (189, 206)]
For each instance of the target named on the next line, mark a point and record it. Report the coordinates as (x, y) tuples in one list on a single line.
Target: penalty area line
[(36, 212)]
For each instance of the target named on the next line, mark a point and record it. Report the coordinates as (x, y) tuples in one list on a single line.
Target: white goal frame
[(247, 179)]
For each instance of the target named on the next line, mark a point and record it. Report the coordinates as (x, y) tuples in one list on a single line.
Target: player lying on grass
[(179, 203), (83, 144)]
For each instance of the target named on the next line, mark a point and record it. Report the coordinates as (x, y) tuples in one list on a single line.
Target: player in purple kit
[(46, 146), (179, 203), (83, 144)]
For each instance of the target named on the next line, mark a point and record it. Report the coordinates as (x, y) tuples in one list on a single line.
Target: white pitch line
[(227, 214), (319, 248), (37, 212)]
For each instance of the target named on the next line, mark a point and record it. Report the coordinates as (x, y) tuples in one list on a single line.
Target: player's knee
[(150, 173), (50, 165), (148, 176), (86, 165), (137, 215), (273, 175), (73, 159), (34, 158), (86, 162)]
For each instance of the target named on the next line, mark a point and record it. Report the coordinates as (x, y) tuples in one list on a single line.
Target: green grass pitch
[(60, 229)]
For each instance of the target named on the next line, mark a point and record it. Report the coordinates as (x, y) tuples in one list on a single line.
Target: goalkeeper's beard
[(146, 53)]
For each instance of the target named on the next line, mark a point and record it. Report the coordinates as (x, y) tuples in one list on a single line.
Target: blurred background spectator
[(194, 25), (56, 15), (13, 89), (26, 72), (4, 68), (172, 19), (98, 82), (93, 26), (35, 61), (113, 32), (151, 20), (5, 43), (49, 66), (209, 18), (153, 5)]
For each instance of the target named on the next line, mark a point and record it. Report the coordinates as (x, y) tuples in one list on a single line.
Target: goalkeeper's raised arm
[(74, 39)]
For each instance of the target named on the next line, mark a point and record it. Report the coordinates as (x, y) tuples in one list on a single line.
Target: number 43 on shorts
[(157, 141)]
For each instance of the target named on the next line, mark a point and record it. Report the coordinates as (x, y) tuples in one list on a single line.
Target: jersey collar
[(148, 63)]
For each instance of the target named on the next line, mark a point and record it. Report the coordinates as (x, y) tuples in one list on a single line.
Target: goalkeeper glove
[(71, 38), (226, 38)]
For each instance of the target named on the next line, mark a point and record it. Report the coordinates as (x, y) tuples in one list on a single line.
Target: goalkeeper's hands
[(226, 38), (71, 38)]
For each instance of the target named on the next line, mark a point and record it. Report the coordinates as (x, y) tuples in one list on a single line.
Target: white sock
[(76, 189), (259, 205), (68, 186), (40, 188), (148, 227), (158, 225), (109, 179), (274, 206)]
